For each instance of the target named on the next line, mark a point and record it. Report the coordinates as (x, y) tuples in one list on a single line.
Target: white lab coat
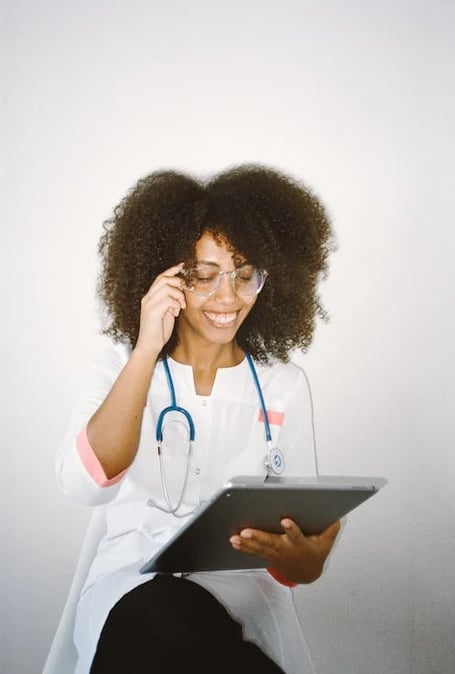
[(230, 440)]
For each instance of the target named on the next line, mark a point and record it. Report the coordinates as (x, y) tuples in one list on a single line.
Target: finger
[(236, 542), (174, 311), (166, 290), (174, 307), (172, 271), (293, 532), (171, 274), (155, 297), (160, 308), (259, 542), (328, 536), (259, 537), (251, 547), (332, 531), (164, 282)]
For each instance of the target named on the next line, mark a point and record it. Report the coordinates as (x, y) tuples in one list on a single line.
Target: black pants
[(171, 625)]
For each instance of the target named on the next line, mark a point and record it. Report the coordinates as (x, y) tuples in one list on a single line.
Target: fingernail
[(246, 533)]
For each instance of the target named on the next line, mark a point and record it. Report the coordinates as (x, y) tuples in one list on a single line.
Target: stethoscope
[(274, 460)]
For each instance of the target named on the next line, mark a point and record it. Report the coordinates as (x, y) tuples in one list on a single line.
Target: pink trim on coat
[(92, 463), (275, 418)]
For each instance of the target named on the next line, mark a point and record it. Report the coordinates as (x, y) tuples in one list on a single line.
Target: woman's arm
[(104, 437), (113, 432)]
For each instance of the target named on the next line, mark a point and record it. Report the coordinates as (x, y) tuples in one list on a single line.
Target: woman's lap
[(169, 623)]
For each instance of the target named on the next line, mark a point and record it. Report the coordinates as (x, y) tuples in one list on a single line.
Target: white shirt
[(229, 440)]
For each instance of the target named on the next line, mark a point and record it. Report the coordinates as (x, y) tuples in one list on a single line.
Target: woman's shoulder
[(276, 371)]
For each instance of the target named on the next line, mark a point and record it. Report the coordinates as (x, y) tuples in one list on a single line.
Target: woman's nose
[(225, 291)]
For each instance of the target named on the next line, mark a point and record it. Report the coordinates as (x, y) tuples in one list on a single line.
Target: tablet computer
[(202, 543)]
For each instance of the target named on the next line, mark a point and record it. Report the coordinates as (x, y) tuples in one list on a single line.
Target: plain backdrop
[(357, 100)]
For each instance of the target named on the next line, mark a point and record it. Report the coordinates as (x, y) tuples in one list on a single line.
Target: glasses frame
[(232, 274)]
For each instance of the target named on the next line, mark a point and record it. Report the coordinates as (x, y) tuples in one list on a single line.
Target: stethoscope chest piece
[(274, 461)]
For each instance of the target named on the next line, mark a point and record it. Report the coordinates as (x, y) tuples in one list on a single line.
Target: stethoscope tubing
[(173, 407), (268, 433), (274, 462)]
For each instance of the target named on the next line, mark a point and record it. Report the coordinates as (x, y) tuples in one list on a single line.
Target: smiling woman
[(208, 286), (262, 216)]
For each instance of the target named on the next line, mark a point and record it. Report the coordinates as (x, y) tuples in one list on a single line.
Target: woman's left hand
[(298, 557)]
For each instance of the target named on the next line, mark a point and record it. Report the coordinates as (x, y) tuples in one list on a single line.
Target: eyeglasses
[(205, 279)]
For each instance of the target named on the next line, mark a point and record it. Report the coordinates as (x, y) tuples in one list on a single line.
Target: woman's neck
[(205, 362), (211, 356)]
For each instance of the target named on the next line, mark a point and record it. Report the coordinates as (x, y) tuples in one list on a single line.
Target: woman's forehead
[(217, 250)]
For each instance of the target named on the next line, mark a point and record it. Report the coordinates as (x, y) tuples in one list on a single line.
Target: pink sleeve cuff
[(91, 462), (280, 578)]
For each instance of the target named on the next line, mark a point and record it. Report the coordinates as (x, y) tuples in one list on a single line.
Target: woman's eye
[(246, 274)]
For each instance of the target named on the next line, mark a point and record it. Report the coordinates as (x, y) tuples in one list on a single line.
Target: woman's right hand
[(160, 307)]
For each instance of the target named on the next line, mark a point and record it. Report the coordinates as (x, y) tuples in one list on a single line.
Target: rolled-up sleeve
[(78, 471)]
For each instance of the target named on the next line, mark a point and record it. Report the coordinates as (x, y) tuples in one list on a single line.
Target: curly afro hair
[(276, 222)]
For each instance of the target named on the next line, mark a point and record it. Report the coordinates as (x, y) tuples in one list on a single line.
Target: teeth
[(222, 319)]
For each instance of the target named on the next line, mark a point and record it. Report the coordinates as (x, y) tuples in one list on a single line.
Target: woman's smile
[(221, 319)]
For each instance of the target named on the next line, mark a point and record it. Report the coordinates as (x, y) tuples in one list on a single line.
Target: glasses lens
[(202, 279), (249, 280)]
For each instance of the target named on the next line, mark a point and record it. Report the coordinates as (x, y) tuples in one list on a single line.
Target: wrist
[(281, 578), (145, 354)]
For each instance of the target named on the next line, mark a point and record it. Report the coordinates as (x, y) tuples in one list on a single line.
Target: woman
[(197, 276)]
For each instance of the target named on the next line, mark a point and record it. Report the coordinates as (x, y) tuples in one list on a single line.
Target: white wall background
[(356, 98)]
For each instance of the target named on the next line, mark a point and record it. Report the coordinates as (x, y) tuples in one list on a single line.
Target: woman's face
[(215, 319)]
